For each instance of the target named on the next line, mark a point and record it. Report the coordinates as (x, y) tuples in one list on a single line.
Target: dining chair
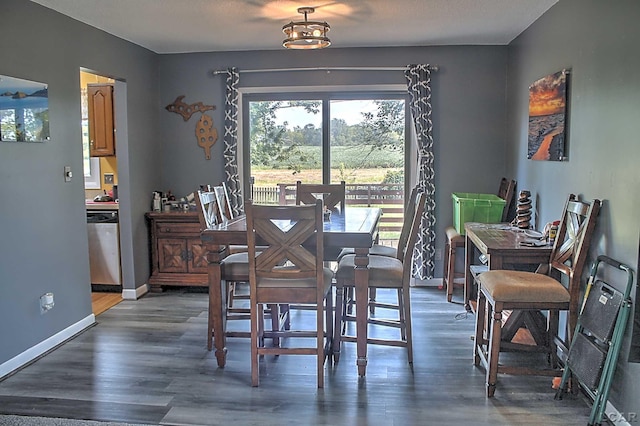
[(384, 250), (224, 206), (224, 213), (526, 294), (234, 269), (384, 273), (288, 270), (333, 195), (207, 206), (390, 251), (454, 240)]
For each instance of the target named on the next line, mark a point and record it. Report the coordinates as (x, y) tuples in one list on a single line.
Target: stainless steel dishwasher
[(104, 247)]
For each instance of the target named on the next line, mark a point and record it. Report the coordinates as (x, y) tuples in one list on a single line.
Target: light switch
[(108, 178), (67, 174)]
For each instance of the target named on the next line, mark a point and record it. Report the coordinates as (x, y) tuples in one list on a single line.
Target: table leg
[(362, 292), (468, 277), (217, 304)]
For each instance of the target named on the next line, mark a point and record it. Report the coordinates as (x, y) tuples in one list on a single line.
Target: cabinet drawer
[(178, 229)]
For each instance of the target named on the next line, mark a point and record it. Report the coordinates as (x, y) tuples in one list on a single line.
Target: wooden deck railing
[(389, 197)]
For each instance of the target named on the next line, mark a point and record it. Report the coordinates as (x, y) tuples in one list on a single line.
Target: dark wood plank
[(147, 361)]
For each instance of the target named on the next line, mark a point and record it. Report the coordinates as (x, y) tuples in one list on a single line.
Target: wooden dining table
[(356, 228)]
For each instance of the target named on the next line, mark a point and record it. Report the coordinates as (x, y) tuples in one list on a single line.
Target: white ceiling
[(180, 26)]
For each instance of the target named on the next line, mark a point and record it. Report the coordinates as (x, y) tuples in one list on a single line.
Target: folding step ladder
[(597, 339)]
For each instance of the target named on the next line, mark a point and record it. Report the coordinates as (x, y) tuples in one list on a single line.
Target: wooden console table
[(501, 244)]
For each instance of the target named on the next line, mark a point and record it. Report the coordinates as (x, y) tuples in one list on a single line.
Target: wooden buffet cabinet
[(178, 257)]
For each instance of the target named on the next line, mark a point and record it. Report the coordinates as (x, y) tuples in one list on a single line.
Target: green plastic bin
[(470, 207)]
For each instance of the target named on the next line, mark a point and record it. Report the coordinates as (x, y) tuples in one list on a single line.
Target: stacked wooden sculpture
[(523, 213)]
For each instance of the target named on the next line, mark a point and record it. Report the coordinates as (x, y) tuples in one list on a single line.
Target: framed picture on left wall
[(548, 118), (24, 110)]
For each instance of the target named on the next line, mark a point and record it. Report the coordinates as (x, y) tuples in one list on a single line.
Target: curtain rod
[(327, 69)]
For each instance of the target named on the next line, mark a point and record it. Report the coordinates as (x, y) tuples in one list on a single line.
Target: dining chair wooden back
[(528, 293), (333, 199), (207, 207), (286, 270), (332, 195), (506, 191), (234, 269), (388, 250), (385, 272), (225, 212)]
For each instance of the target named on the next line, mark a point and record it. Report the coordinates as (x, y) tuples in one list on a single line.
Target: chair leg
[(256, 319), (340, 307), (231, 290), (275, 322), (372, 300), (552, 331), (328, 312), (320, 348), (451, 271), (478, 343), (401, 316), (445, 268), (406, 309), (494, 349)]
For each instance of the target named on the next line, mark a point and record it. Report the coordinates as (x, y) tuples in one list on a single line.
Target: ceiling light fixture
[(306, 34)]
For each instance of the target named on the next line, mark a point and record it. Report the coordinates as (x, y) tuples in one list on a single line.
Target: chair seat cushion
[(384, 271), (376, 249), (297, 282), (236, 265), (453, 235), (521, 286)]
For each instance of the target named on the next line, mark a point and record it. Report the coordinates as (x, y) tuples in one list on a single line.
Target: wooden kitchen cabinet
[(102, 141), (178, 258)]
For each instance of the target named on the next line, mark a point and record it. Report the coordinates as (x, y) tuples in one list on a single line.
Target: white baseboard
[(41, 348), (129, 294)]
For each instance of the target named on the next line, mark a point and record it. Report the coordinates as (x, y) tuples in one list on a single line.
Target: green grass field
[(352, 164)]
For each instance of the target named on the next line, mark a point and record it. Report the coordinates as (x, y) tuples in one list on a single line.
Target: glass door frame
[(281, 94)]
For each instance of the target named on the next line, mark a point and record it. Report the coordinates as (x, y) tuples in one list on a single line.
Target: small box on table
[(470, 207)]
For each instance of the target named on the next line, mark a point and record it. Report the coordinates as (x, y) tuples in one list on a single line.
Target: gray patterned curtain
[(419, 87), (231, 140)]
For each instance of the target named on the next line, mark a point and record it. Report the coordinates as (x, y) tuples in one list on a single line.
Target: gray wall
[(478, 139), (599, 42), (42, 219), (468, 108)]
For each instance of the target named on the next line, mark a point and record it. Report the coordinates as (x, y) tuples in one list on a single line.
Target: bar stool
[(454, 241)]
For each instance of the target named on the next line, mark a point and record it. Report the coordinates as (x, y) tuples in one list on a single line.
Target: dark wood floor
[(146, 362)]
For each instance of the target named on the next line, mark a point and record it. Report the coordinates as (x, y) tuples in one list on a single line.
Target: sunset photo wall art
[(547, 117)]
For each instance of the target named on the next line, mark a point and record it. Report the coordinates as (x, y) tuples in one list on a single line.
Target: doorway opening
[(101, 188)]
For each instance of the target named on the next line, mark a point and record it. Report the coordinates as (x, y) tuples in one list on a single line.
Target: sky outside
[(348, 110)]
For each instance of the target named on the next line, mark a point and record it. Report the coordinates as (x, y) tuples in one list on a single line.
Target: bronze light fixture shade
[(306, 34)]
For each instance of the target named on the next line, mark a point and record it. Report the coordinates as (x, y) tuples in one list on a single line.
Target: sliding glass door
[(324, 139), (328, 138)]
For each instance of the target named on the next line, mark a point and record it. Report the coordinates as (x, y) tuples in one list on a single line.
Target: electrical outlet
[(108, 178), (46, 302)]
